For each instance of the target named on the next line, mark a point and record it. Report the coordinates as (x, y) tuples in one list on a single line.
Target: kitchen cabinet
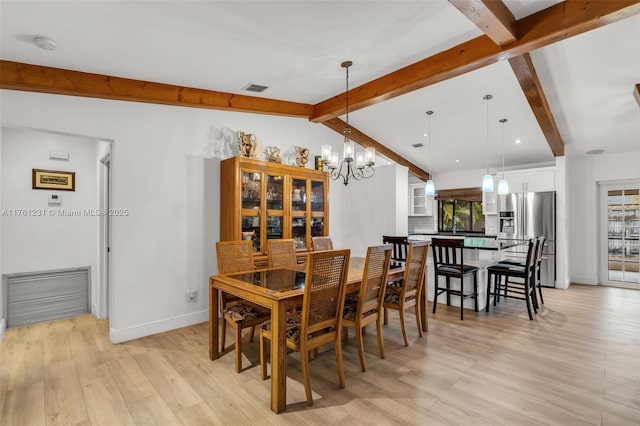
[(530, 180), (419, 203), (260, 200)]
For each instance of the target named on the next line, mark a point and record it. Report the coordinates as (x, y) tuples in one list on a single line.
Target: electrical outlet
[(192, 295)]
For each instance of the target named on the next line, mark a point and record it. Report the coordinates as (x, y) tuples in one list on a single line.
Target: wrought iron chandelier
[(353, 165)]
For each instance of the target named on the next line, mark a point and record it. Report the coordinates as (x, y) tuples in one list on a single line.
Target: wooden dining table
[(277, 289)]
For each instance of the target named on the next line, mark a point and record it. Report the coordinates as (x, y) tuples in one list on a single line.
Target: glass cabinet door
[(317, 196), (275, 192), (299, 212), (251, 230), (251, 190), (251, 196)]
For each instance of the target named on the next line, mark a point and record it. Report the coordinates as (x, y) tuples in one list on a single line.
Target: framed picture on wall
[(53, 179)]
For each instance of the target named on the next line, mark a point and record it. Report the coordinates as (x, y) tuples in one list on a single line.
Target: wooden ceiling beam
[(34, 78), (365, 141), (526, 74), (493, 18), (636, 93), (548, 26)]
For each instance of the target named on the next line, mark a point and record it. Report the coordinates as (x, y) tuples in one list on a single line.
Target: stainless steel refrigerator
[(526, 215)]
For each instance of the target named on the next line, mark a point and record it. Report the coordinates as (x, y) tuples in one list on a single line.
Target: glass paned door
[(623, 237)]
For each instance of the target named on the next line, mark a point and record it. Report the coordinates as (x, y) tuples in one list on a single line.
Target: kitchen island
[(478, 251)]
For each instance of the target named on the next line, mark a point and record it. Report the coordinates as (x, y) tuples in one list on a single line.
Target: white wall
[(363, 211), (159, 172), (49, 239), (585, 174)]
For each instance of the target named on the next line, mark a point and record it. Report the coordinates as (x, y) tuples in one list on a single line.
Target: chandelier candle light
[(503, 186), (353, 165), (487, 181), (429, 188)]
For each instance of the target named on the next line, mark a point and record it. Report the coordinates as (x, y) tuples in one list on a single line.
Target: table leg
[(213, 322), (279, 357)]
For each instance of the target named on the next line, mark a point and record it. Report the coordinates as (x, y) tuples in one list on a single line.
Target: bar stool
[(538, 268), (448, 261), (519, 280)]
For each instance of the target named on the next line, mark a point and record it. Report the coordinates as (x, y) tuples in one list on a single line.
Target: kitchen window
[(456, 215)]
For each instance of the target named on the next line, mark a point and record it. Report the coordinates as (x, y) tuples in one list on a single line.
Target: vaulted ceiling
[(563, 73)]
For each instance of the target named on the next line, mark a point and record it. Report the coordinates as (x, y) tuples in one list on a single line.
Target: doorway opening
[(104, 293)]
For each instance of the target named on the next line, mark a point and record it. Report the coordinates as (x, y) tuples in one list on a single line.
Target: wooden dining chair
[(366, 307), (404, 294), (320, 321), (281, 253), (448, 262), (237, 256), (321, 243)]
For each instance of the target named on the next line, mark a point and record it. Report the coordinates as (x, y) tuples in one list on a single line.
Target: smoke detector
[(45, 43)]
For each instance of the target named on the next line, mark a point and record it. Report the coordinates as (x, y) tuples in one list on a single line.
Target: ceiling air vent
[(255, 88), (417, 145)]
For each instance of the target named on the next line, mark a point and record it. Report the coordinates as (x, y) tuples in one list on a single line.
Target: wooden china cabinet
[(260, 200)]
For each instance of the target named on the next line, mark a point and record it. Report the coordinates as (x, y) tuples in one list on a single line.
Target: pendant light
[(429, 188), (487, 181), (503, 186)]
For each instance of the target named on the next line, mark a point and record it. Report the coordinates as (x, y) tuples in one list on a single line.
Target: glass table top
[(274, 280)]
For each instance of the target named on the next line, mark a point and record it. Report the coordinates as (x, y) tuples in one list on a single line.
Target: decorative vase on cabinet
[(270, 201)]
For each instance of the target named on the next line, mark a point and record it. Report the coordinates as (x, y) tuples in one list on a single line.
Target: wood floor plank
[(24, 405), (576, 363), (105, 405), (64, 400)]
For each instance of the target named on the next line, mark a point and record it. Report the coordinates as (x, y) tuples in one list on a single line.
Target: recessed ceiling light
[(255, 88), (457, 161), (595, 151), (45, 43), (517, 140), (425, 134)]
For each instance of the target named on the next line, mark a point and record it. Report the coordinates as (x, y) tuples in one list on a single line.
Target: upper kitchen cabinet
[(531, 180), (261, 200), (419, 203)]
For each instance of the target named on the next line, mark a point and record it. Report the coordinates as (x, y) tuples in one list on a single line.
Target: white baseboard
[(138, 331), (584, 280), (3, 326)]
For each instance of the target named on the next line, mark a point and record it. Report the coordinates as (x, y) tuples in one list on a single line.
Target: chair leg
[(402, 326), (475, 291), (360, 343), (253, 331), (380, 339), (339, 365), (345, 334), (539, 285), (488, 297), (238, 333), (263, 356), (448, 281), (304, 361), (418, 319), (527, 297), (386, 316), (435, 294)]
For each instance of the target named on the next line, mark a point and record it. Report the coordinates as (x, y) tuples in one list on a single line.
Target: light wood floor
[(577, 363)]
